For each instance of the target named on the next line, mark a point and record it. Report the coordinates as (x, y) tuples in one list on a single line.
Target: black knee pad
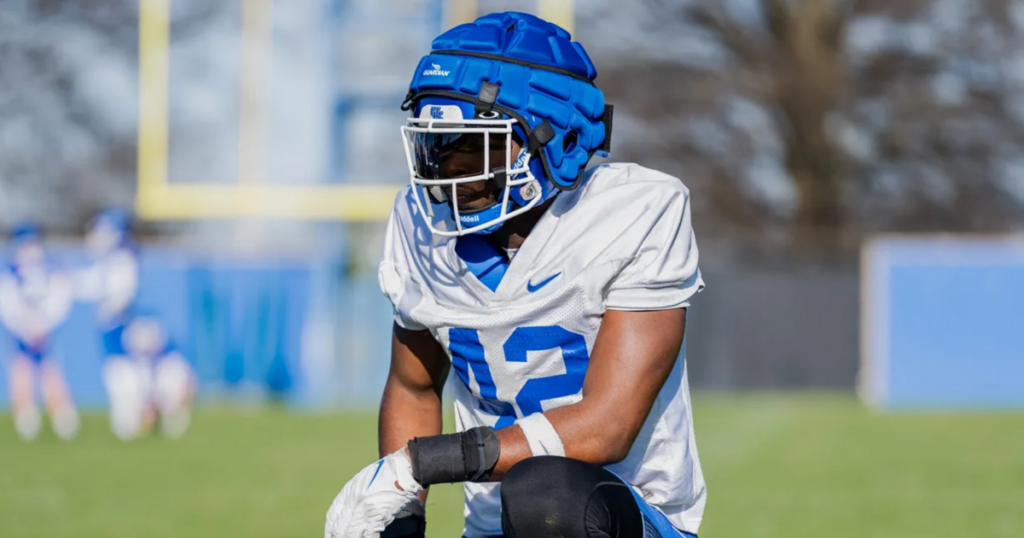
[(550, 496), (409, 523)]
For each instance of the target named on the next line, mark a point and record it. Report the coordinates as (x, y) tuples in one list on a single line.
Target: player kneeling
[(150, 380), (558, 294)]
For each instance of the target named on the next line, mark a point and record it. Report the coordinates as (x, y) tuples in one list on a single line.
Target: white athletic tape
[(541, 435)]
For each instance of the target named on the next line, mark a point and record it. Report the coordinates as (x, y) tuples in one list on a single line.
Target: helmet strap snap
[(486, 98), (539, 137)]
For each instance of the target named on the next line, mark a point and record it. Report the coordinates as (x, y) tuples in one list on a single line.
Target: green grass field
[(788, 466)]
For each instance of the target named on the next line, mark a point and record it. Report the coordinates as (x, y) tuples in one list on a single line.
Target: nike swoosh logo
[(530, 287), (379, 465)]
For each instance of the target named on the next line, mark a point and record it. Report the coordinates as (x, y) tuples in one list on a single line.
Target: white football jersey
[(112, 282), (519, 333), (34, 301)]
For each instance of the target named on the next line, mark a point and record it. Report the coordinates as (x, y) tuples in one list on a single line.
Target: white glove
[(371, 500)]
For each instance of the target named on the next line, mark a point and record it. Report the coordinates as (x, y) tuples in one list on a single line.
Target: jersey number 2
[(468, 354)]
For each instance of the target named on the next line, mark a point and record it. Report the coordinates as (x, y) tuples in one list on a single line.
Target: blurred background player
[(112, 283), (35, 300), (150, 380), (113, 279)]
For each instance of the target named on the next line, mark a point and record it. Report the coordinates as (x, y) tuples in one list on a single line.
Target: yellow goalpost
[(252, 196)]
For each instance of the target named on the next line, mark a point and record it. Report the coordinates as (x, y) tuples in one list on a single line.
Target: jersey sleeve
[(394, 275), (59, 299), (11, 306), (662, 272), (120, 284)]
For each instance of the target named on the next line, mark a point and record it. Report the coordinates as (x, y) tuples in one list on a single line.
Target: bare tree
[(67, 109), (881, 116)]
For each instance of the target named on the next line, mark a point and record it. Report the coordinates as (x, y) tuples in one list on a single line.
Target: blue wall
[(943, 323), (299, 330)]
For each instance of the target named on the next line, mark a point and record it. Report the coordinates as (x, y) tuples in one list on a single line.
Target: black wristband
[(469, 456)]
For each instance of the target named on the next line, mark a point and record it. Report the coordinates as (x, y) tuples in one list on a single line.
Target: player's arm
[(632, 357), (59, 299), (12, 307), (411, 406), (635, 350), (124, 274), (386, 492)]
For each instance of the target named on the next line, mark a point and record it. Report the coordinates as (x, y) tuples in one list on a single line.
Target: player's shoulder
[(626, 190), (407, 211), (412, 218), (129, 249), (404, 201), (609, 175), (637, 180), (409, 239), (123, 255), (618, 204)]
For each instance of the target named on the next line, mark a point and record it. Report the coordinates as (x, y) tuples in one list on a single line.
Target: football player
[(150, 379), (557, 293), (34, 300), (112, 281)]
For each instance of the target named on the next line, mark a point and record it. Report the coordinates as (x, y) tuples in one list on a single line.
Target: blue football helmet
[(109, 230), (25, 232), (505, 79), (114, 218), (27, 242)]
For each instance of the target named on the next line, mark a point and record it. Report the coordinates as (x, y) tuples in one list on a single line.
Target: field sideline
[(787, 466)]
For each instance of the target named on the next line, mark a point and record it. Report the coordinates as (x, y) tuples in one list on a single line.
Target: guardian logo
[(436, 71)]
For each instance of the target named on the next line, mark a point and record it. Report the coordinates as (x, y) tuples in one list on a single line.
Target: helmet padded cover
[(558, 89)]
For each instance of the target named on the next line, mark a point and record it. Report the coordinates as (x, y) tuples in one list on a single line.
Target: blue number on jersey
[(468, 354), (465, 348)]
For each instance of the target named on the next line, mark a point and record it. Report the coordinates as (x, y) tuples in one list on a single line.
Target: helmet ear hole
[(569, 142)]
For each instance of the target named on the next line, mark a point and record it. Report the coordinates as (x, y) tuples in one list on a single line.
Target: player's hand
[(373, 498), (35, 332)]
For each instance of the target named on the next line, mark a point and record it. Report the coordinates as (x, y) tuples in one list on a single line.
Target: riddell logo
[(520, 161), (436, 71)]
